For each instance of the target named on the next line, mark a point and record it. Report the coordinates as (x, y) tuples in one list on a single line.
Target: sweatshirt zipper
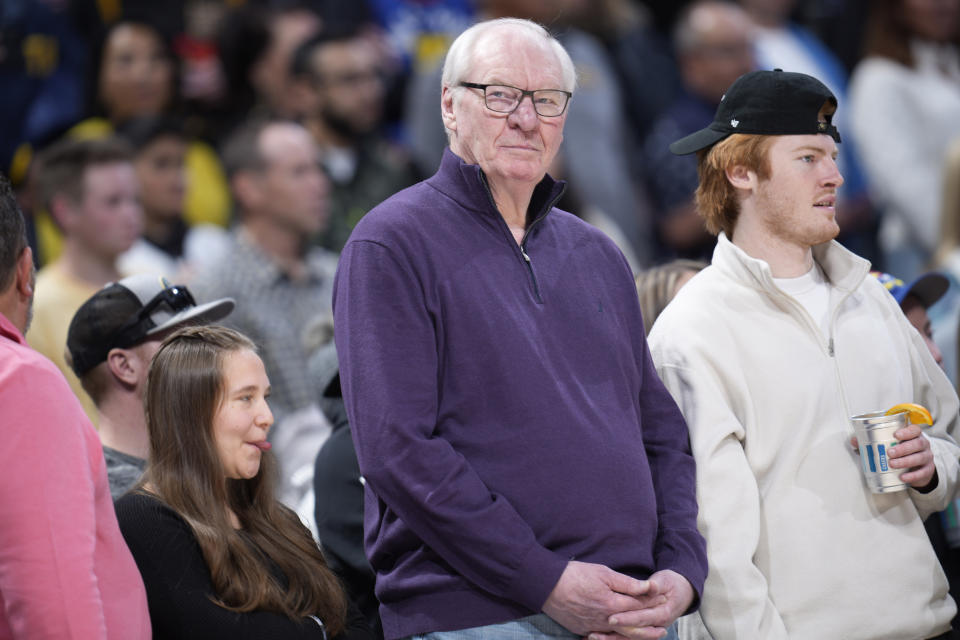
[(809, 321), (522, 246), (533, 276), (830, 348)]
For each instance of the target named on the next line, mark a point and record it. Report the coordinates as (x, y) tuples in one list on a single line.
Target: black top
[(178, 583), (338, 509)]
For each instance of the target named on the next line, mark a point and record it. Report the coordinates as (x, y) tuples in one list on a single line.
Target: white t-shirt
[(812, 291)]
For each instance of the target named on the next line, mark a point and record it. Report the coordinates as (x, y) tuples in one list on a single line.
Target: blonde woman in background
[(658, 285)]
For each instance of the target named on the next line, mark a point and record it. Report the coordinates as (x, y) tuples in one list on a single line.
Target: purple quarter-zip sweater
[(506, 413)]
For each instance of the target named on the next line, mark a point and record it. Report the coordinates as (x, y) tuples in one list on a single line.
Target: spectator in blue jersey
[(526, 472)]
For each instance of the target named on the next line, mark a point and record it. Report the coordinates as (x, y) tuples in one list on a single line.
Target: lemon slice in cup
[(917, 413)]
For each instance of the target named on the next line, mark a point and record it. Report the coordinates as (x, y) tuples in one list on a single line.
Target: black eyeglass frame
[(177, 297), (523, 94)]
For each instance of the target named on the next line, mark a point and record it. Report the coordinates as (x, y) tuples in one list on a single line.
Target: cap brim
[(200, 314), (697, 140), (928, 288)]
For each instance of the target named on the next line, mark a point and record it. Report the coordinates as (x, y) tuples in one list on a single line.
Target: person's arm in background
[(48, 585), (900, 169), (736, 601)]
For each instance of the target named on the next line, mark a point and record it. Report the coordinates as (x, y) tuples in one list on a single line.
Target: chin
[(526, 173), (833, 232), (246, 473)]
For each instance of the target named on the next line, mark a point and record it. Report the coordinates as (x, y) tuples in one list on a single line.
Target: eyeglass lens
[(546, 102)]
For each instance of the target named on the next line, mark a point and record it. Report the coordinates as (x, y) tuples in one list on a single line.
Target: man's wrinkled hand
[(587, 595), (671, 595)]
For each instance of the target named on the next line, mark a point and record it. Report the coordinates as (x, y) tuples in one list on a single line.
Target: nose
[(322, 185), (264, 418), (314, 180), (524, 116), (145, 69), (833, 176), (134, 214)]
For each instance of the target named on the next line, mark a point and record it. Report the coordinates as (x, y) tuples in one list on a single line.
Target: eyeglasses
[(177, 297), (503, 98)]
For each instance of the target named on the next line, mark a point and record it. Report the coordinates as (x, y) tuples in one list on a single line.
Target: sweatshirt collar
[(843, 269), (467, 184)]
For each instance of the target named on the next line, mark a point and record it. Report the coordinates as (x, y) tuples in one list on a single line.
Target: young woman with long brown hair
[(220, 557)]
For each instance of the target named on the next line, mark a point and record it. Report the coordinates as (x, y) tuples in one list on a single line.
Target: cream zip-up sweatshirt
[(797, 545)]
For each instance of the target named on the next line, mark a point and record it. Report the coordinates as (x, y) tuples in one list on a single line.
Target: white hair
[(459, 58)]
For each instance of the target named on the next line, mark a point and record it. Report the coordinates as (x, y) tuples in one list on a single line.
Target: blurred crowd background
[(367, 88), (232, 145), (181, 85)]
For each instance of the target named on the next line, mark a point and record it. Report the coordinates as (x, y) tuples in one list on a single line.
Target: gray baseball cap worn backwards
[(775, 103), (125, 313)]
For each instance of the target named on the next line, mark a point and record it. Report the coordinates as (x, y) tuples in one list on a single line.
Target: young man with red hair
[(769, 352)]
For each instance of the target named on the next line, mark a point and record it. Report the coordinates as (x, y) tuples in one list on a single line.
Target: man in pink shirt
[(65, 571)]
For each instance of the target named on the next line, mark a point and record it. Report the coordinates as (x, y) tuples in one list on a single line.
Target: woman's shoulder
[(141, 514), (139, 500)]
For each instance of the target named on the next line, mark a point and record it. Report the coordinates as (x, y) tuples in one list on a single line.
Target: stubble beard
[(812, 231), (343, 127)]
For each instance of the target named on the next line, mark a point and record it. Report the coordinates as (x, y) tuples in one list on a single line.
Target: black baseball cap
[(125, 313), (773, 103)]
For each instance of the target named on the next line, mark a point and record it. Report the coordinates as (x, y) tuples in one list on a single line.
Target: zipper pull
[(524, 254), (830, 347)]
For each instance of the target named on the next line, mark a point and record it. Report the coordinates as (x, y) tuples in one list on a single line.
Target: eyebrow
[(500, 83), (248, 388), (807, 147)]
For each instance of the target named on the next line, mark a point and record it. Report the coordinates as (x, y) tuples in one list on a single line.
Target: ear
[(446, 109), (742, 178), (124, 365), (246, 186), (62, 212), (25, 280)]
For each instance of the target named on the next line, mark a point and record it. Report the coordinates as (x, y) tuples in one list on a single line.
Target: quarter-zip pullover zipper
[(829, 347), (522, 246)]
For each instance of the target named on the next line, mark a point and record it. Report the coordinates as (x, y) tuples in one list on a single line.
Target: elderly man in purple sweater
[(527, 474)]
